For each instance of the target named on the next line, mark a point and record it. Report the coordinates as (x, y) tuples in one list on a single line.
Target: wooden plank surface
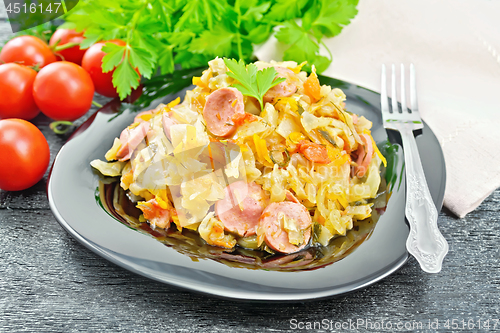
[(51, 283)]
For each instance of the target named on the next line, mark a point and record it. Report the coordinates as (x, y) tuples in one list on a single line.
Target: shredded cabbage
[(112, 169), (186, 172)]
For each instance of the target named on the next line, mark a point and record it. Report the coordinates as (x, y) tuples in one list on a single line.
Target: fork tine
[(394, 97), (413, 89), (403, 90), (383, 93)]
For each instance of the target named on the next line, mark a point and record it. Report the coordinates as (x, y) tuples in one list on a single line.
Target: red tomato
[(27, 50), (63, 91), (24, 154), (65, 36), (16, 89), (92, 63)]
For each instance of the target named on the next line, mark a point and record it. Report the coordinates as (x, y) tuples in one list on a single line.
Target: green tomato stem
[(329, 52), (97, 104), (60, 127), (64, 46)]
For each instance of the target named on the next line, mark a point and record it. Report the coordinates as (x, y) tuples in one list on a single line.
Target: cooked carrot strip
[(312, 87), (240, 118), (314, 152), (262, 151)]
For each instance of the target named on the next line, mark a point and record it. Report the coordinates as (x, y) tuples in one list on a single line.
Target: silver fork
[(424, 242)]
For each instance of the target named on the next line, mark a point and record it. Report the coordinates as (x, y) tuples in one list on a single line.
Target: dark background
[(51, 283)]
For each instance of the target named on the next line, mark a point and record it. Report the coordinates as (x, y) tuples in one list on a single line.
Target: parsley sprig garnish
[(251, 81)]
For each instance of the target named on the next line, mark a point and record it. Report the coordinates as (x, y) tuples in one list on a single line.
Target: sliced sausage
[(291, 197), (364, 156), (220, 107), (241, 208), (355, 119), (131, 139), (167, 123), (284, 89), (275, 235)]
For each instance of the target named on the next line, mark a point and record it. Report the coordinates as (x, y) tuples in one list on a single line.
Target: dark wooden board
[(51, 283)]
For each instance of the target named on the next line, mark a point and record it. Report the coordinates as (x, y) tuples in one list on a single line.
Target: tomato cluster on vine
[(58, 79)]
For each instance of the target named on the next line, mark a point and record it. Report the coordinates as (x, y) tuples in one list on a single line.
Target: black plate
[(72, 186)]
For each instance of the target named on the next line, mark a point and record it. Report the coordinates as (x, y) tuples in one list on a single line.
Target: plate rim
[(306, 295)]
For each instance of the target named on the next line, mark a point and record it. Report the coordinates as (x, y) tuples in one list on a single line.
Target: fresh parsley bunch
[(162, 33)]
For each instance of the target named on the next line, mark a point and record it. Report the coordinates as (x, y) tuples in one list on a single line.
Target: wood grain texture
[(3, 13), (51, 283)]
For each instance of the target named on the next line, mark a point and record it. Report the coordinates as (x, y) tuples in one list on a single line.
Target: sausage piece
[(220, 107), (167, 123), (284, 89), (291, 197), (241, 208), (131, 139), (271, 224), (364, 156)]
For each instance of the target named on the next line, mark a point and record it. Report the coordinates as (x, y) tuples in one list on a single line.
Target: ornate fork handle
[(425, 241)]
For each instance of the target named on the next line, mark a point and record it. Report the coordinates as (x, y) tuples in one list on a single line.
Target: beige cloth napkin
[(455, 46)]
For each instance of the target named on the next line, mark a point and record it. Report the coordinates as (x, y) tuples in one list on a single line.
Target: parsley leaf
[(334, 16), (322, 18), (286, 10), (142, 60), (201, 11), (216, 42), (252, 82), (92, 36), (166, 60), (255, 13), (114, 56), (125, 78), (291, 33)]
